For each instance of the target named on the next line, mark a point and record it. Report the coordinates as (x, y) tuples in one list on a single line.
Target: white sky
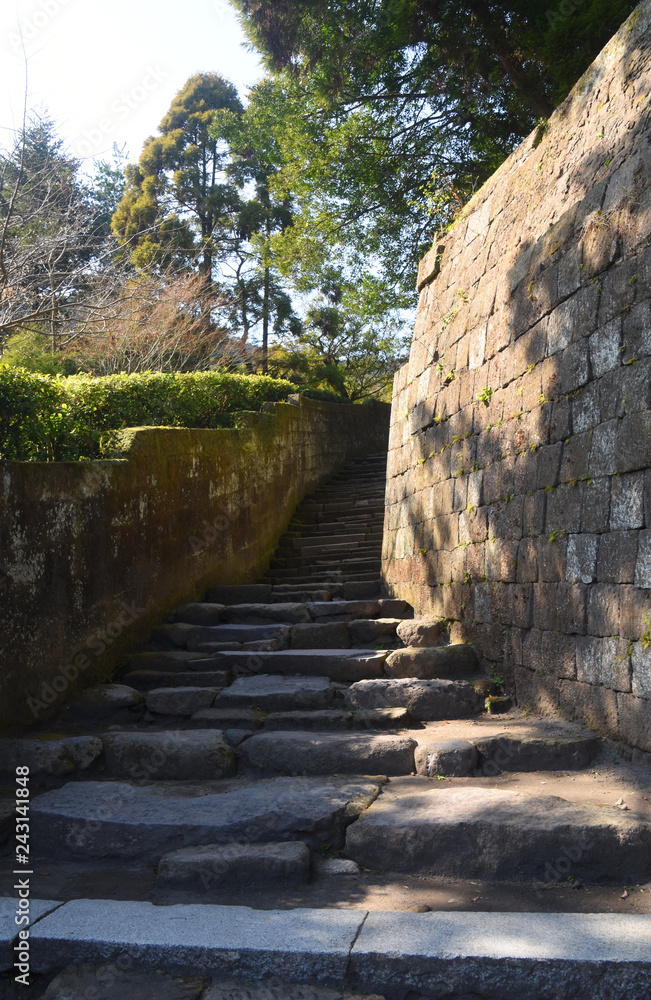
[(107, 70)]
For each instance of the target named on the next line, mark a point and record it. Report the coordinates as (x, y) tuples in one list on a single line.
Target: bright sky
[(107, 70)]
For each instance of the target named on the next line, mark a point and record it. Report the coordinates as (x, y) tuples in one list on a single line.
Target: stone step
[(277, 693), (341, 635), (261, 614), (250, 593), (170, 660), (179, 634), (304, 595), (336, 538), (339, 572), (180, 701), (585, 956), (311, 753), (427, 701), (491, 755), (337, 664), (128, 821), (52, 757), (482, 833), (147, 680), (169, 756), (432, 662), (308, 555), (213, 866)]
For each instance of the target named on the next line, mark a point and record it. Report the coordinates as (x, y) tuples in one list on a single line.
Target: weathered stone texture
[(532, 446), (95, 554)]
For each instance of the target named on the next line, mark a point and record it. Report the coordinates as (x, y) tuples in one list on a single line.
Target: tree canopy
[(399, 109)]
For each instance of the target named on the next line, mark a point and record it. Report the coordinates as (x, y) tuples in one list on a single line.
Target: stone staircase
[(298, 755)]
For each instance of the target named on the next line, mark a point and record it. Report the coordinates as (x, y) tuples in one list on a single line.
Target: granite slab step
[(327, 753), (262, 614), (336, 538), (324, 720), (190, 636), (277, 693), (337, 664), (519, 956), (169, 660), (432, 662), (213, 866), (475, 833), (180, 701), (53, 757), (147, 680), (507, 752), (198, 614), (169, 756), (243, 593), (428, 700), (126, 820)]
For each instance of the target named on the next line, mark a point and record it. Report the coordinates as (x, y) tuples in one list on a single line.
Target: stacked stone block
[(519, 479)]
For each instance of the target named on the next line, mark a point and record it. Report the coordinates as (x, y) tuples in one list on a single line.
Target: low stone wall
[(519, 494), (93, 554)]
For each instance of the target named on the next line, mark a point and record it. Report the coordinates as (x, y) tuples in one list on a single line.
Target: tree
[(177, 201), (351, 342), (51, 244), (402, 107), (255, 161)]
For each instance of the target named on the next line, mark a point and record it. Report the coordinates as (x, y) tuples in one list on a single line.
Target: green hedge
[(45, 418)]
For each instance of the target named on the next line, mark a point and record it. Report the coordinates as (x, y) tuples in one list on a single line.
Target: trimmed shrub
[(58, 419)]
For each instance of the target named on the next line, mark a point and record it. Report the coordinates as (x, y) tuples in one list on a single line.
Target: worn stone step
[(432, 662), (198, 614), (214, 866), (181, 701), (318, 721), (337, 664), (104, 703), (260, 614), (332, 578), (190, 636), (331, 635), (394, 954), (474, 833), (147, 680), (227, 719), (243, 593), (336, 538), (170, 660), (169, 756), (427, 701), (277, 693), (53, 757), (369, 631), (119, 819), (327, 753), (305, 595), (343, 610), (507, 752), (316, 573)]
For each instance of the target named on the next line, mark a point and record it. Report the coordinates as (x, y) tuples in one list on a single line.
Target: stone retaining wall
[(93, 554), (519, 494)]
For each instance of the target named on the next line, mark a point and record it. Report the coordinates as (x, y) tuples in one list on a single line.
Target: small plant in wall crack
[(484, 395)]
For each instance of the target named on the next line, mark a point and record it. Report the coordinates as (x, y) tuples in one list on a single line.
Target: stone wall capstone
[(519, 482)]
